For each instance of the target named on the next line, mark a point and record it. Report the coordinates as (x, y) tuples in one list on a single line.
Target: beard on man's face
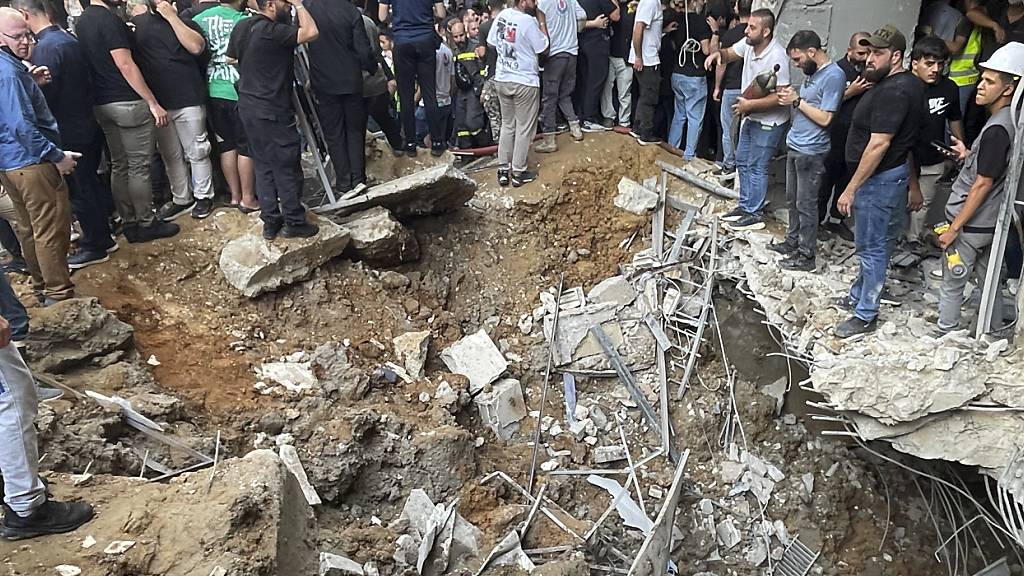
[(809, 68), (874, 75)]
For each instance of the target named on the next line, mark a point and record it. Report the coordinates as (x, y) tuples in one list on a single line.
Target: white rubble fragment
[(555, 429), (831, 469), (631, 513), (808, 481), (579, 428), (502, 407), (590, 440), (995, 349), (152, 361), (89, 542), (68, 570), (445, 394), (615, 290), (707, 507), (525, 324), (335, 565), (606, 454), (757, 552), (732, 471), (581, 412), (290, 457), (549, 465), (424, 397), (598, 416), (118, 547), (371, 569), (296, 377), (945, 358), (477, 358), (406, 550), (218, 571), (774, 473), (635, 197), (656, 492), (418, 510), (728, 535), (411, 350), (513, 554)]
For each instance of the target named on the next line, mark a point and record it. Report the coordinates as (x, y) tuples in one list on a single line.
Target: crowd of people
[(124, 115)]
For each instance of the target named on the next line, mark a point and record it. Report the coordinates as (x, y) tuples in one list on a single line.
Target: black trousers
[(416, 63), (91, 200), (833, 184), (343, 119), (275, 147), (649, 83), (592, 72), (9, 241), (380, 110)]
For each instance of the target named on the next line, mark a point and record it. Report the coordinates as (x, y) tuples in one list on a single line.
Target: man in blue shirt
[(416, 42), (813, 109), (69, 96), (31, 164)]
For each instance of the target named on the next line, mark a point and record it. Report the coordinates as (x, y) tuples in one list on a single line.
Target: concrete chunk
[(411, 350), (635, 197), (335, 565), (477, 358), (616, 290), (502, 407), (290, 457), (439, 189), (378, 238), (606, 454), (254, 265), (417, 511)]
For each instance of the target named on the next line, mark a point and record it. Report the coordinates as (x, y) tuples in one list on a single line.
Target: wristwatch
[(796, 103)]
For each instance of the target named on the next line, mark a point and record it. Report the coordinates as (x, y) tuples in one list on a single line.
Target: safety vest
[(962, 69)]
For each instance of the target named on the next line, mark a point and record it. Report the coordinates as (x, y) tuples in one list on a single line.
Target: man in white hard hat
[(977, 196)]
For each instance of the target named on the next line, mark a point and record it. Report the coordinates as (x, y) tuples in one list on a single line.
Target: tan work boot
[(575, 130), (547, 145)]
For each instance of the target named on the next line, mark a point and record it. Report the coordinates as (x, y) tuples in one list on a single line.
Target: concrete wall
[(836, 20)]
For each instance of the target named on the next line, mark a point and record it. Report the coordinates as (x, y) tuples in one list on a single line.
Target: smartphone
[(946, 150)]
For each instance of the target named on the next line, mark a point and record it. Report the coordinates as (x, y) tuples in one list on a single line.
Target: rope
[(691, 47)]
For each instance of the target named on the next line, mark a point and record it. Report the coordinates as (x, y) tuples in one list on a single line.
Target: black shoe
[(607, 123), (436, 152), (886, 297), (51, 518), (648, 140), (798, 263), (784, 248), (410, 150), (203, 209), (270, 230), (747, 222), (524, 177), (733, 215), (855, 327), (170, 211), (131, 233), (158, 229), (503, 179), (305, 230), (15, 266), (83, 258)]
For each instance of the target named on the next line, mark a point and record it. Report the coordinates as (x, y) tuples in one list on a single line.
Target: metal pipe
[(716, 189)]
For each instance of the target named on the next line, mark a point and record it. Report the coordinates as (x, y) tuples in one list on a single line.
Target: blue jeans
[(880, 210), (758, 143), (12, 310), (691, 96), (729, 98)]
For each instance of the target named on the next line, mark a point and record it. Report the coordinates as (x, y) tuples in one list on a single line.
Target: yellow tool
[(953, 260)]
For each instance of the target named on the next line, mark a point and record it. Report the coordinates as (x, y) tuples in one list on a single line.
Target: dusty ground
[(367, 442)]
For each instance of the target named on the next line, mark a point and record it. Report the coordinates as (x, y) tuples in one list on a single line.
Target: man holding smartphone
[(32, 164), (977, 197), (942, 112)]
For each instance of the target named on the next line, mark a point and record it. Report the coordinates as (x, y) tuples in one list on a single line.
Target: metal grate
[(797, 560)]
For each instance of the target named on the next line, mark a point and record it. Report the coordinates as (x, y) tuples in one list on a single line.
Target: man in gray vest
[(977, 195)]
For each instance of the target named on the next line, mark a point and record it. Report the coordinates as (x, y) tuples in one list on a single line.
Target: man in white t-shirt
[(559, 70), (643, 55), (518, 37), (765, 120)]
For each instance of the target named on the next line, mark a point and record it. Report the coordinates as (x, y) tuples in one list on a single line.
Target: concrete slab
[(477, 358), (439, 189)]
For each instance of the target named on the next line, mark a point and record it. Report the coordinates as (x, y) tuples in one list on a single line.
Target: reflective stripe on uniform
[(962, 69)]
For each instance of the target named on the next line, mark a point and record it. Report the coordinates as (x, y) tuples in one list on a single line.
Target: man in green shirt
[(217, 23)]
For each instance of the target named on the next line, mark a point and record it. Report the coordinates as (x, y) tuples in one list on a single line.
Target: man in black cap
[(883, 133), (264, 47)]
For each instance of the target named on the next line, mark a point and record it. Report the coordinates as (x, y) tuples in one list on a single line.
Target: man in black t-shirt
[(264, 47), (942, 112), (728, 80), (837, 173), (592, 64), (167, 49), (882, 136), (689, 45), (620, 73), (128, 112)]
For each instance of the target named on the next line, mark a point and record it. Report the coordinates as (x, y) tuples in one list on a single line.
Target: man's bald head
[(857, 54), (9, 17), (857, 37)]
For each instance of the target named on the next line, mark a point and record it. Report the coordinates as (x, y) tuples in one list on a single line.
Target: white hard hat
[(1008, 59)]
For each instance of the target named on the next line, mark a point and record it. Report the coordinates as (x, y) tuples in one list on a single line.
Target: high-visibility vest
[(962, 69)]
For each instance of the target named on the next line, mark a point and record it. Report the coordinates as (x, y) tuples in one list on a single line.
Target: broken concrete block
[(335, 565), (728, 535), (945, 358), (635, 197), (254, 265), (732, 471), (606, 454), (378, 238), (290, 457), (616, 290), (417, 512), (72, 333), (439, 189), (295, 377), (477, 358), (502, 407), (406, 550), (411, 350)]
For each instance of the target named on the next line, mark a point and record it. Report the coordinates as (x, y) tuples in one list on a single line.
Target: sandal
[(246, 210)]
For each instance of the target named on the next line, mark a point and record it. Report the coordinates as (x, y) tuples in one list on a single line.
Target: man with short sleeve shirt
[(69, 97), (883, 134), (167, 49), (645, 57), (128, 112), (264, 46), (942, 113), (765, 120), (813, 109), (416, 42), (517, 38), (559, 79)]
